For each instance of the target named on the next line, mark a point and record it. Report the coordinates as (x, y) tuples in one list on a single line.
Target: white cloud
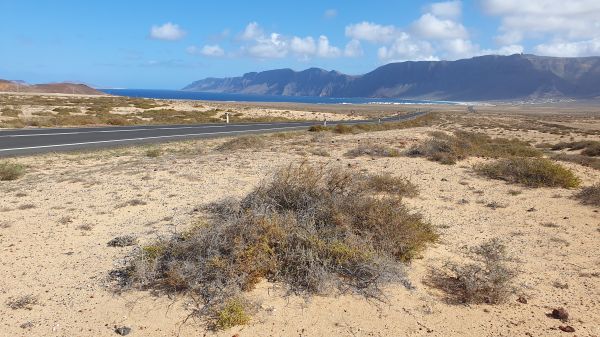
[(327, 50), (303, 46), (572, 25), (353, 49), (431, 27), (275, 46), (460, 48), (372, 32), (570, 49), (212, 50), (168, 32), (252, 31), (258, 45), (448, 9), (330, 13), (404, 48)]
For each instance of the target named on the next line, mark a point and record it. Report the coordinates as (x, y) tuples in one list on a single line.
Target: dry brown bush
[(311, 228), (487, 279), (590, 195)]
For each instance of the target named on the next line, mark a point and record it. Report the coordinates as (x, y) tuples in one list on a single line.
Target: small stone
[(123, 331), (26, 325), (522, 299), (566, 328), (560, 313), (532, 209)]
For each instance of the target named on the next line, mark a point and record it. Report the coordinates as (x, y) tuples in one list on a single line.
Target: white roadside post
[(227, 117), (325, 121)]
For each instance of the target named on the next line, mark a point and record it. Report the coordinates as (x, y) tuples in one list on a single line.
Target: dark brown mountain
[(489, 77)]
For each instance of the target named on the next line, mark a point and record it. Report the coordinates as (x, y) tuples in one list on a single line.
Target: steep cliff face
[(489, 77)]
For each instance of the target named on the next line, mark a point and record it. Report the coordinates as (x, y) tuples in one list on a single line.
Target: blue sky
[(167, 44)]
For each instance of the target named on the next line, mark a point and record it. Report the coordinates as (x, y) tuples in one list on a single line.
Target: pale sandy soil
[(45, 253)]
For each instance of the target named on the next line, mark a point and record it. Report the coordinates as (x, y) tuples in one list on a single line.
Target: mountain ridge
[(48, 88), (489, 77)]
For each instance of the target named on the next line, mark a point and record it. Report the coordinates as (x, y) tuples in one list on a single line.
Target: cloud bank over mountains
[(557, 28)]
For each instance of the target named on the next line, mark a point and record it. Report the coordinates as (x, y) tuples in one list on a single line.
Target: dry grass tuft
[(532, 172), (578, 159), (243, 143), (590, 148), (387, 183), (448, 149), (488, 279), (22, 302), (153, 153), (373, 150), (11, 171), (311, 228), (590, 195)]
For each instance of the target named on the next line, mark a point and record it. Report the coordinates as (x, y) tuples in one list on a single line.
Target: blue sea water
[(225, 97)]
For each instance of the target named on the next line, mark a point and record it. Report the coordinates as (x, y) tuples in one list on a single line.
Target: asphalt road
[(39, 140)]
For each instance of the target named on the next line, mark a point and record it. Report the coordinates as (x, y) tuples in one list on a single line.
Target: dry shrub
[(22, 302), (153, 153), (234, 312), (311, 228), (448, 149), (8, 112), (390, 184), (590, 195), (578, 159), (590, 148), (373, 150), (532, 172), (318, 128), (242, 143), (487, 279), (11, 171)]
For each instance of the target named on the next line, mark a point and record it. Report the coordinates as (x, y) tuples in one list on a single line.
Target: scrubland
[(454, 224)]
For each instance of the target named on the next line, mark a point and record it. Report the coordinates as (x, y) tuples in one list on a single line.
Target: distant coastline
[(229, 97)]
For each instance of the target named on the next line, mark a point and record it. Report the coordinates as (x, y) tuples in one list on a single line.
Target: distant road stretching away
[(40, 140)]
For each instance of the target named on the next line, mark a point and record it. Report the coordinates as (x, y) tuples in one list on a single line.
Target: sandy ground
[(55, 223)]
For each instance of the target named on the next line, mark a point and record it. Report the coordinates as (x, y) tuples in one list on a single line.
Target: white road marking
[(126, 130), (142, 138)]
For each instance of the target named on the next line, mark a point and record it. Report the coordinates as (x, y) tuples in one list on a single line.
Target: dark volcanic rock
[(560, 313)]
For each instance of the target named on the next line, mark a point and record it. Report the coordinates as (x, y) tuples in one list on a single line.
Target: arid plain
[(58, 215)]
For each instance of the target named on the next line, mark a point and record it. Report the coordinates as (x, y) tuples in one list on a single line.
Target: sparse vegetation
[(233, 313), (10, 112), (22, 302), (448, 149), (11, 171), (590, 148), (532, 172), (312, 228), (389, 184), (590, 195), (374, 150), (578, 159), (487, 279), (243, 143), (122, 241), (153, 153)]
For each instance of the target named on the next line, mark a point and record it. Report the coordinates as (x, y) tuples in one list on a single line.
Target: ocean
[(225, 97)]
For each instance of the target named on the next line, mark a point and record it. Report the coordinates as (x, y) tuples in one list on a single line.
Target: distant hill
[(57, 88), (480, 78)]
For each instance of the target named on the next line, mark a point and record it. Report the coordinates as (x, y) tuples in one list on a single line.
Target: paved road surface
[(40, 140)]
